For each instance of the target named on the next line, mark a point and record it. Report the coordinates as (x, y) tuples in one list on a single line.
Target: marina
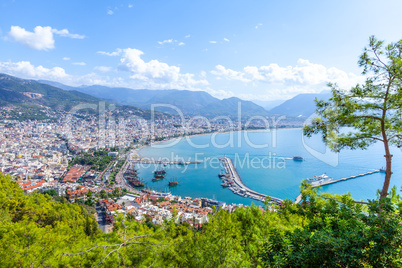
[(327, 182), (233, 181), (163, 162)]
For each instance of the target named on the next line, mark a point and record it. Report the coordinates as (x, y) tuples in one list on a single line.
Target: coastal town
[(86, 162)]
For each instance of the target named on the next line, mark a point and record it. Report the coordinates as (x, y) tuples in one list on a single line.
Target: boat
[(159, 172), (135, 182), (157, 178), (317, 180), (383, 170), (298, 158), (221, 175), (173, 182)]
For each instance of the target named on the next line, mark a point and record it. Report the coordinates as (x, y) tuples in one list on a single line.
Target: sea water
[(264, 161)]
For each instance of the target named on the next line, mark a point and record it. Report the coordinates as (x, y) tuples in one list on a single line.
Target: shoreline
[(204, 134), (140, 153)]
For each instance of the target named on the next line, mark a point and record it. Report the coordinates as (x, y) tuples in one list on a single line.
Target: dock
[(347, 178), (238, 187), (298, 198), (165, 162)]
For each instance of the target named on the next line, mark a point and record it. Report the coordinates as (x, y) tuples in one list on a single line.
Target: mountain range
[(301, 105), (33, 98), (188, 102), (36, 94)]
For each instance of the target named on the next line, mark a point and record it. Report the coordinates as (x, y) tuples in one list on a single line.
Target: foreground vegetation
[(327, 231)]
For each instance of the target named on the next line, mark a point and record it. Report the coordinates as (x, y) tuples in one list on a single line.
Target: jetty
[(238, 187), (299, 197), (165, 162)]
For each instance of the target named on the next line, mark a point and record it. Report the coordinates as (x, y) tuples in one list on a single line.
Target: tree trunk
[(388, 172)]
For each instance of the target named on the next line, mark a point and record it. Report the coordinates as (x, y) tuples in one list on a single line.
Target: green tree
[(116, 192), (51, 192), (103, 194), (373, 109), (89, 194)]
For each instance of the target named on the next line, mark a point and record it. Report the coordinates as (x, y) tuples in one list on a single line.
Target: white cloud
[(103, 69), (212, 42), (187, 36), (114, 53), (171, 41), (66, 33), (258, 25), (225, 39), (156, 74), (66, 58), (288, 81), (168, 41), (220, 71), (24, 69), (110, 12), (41, 38), (130, 6), (79, 63)]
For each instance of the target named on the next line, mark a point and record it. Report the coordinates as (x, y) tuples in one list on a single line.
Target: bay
[(264, 160)]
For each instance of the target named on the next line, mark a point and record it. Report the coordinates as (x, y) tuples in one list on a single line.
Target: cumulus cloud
[(27, 70), (222, 72), (155, 71), (288, 81), (181, 44), (153, 74), (225, 39), (41, 38), (303, 73)]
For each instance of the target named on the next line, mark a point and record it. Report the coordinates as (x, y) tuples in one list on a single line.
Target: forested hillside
[(327, 231)]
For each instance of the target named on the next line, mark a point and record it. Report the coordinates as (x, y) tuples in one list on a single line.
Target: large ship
[(317, 180)]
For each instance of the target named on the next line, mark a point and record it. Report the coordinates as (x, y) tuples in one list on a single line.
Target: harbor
[(165, 162), (233, 181), (328, 182)]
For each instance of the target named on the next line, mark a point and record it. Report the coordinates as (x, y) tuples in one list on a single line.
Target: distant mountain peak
[(301, 105)]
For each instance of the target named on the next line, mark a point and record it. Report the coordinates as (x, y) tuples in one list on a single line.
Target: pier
[(165, 162), (298, 198), (238, 187)]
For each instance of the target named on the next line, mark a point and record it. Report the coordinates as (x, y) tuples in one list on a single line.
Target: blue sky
[(256, 50)]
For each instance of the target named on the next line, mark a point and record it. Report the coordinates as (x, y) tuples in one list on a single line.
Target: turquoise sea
[(264, 161)]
